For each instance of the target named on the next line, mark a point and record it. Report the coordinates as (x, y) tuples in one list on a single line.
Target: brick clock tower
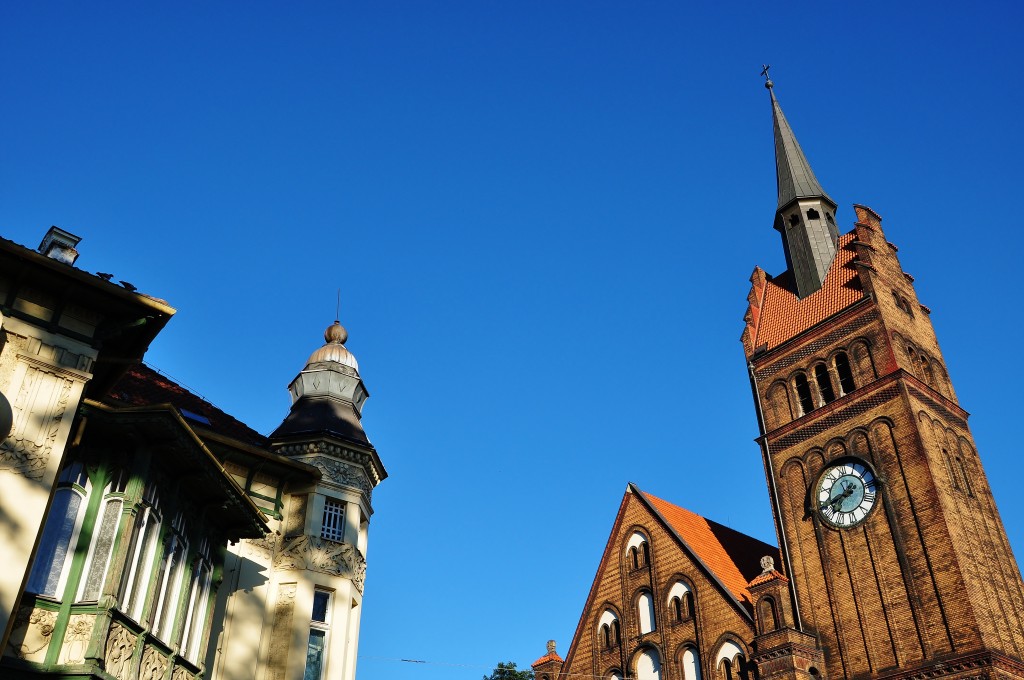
[(897, 564)]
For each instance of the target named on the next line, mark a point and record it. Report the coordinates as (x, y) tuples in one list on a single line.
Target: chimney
[(60, 245)]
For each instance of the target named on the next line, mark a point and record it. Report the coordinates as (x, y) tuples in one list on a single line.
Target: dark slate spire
[(805, 216), (793, 173)]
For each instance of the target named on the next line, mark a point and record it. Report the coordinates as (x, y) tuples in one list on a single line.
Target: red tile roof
[(781, 315), (732, 557), (767, 576), (142, 386), (553, 656)]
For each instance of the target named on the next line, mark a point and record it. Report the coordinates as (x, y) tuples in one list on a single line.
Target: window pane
[(333, 527), (55, 543), (315, 655), (320, 601), (103, 542)]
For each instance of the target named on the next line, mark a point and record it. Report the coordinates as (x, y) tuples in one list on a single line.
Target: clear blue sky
[(542, 217)]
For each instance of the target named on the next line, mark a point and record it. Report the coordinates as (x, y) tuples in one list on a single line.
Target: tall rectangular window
[(316, 649), (333, 527)]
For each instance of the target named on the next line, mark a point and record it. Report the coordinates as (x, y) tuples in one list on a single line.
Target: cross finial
[(767, 78)]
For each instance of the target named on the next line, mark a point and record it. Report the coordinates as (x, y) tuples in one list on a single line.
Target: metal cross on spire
[(767, 78)]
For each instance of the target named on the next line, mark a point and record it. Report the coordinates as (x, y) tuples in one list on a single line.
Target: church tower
[(897, 561)]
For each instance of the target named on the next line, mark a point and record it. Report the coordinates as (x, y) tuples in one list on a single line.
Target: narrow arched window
[(634, 556), (803, 393), (104, 535), (727, 669), (648, 665), (769, 622), (688, 610), (691, 664), (821, 377), (645, 610), (60, 533), (676, 606), (926, 370), (846, 383), (616, 633), (606, 635), (645, 554), (141, 553)]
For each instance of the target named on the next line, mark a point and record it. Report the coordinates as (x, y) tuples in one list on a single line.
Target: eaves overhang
[(160, 426)]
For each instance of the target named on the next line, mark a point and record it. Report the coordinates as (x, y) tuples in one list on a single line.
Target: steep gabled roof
[(776, 314), (731, 557)]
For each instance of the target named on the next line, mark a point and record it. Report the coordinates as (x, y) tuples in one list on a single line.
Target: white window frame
[(332, 525), (321, 626)]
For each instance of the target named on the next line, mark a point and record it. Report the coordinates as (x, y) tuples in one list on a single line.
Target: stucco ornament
[(261, 547), (77, 638), (181, 673), (32, 631), (36, 422), (118, 657), (342, 474), (154, 665), (328, 557)]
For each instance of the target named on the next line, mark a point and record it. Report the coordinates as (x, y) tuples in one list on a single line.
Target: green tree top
[(508, 671)]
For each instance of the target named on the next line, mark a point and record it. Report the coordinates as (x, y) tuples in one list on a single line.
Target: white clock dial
[(846, 493)]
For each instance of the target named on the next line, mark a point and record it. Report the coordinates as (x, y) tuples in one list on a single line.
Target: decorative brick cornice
[(859, 407), (811, 348)]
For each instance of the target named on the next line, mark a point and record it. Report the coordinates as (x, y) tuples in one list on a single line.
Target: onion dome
[(335, 337)]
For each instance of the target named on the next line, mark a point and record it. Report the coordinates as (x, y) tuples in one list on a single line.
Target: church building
[(893, 560), (148, 534)]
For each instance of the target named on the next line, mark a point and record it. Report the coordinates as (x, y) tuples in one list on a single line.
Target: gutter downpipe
[(775, 495)]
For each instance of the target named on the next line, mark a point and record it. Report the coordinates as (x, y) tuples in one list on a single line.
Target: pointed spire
[(805, 216), (793, 173)]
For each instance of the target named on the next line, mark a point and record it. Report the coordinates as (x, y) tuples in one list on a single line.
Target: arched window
[(821, 377), (679, 596), (104, 534), (691, 664), (608, 626), (813, 214), (615, 675), (60, 533), (766, 614), (803, 393), (645, 611), (648, 665), (730, 662), (142, 553), (842, 363), (639, 553)]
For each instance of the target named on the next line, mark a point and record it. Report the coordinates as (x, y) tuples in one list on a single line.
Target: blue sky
[(542, 217)]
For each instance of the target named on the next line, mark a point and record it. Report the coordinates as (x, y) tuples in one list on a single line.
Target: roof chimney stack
[(60, 245)]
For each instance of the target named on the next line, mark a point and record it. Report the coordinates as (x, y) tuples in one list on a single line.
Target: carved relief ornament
[(327, 557)]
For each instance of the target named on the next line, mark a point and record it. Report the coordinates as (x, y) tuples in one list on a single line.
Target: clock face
[(846, 493)]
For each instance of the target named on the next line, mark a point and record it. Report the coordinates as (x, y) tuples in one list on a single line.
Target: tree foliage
[(508, 671)]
